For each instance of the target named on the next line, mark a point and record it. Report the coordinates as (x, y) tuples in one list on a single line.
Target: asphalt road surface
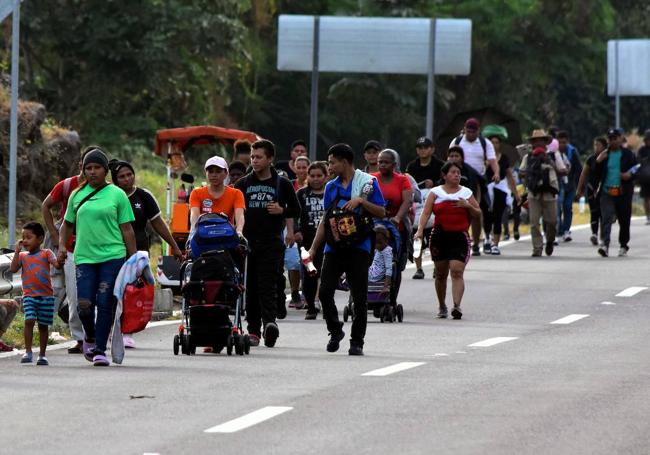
[(550, 357)]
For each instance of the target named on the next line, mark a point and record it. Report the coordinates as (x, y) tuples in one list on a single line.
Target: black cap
[(614, 132), (424, 142), (372, 144)]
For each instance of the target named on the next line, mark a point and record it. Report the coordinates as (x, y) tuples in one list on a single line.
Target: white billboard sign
[(631, 60), (374, 45)]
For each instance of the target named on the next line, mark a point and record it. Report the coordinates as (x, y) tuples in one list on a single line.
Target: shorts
[(40, 309), (450, 246), (291, 258)]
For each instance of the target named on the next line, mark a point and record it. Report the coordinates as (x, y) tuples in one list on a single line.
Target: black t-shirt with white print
[(311, 212), (145, 208)]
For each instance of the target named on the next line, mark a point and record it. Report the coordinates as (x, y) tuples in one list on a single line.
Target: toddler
[(382, 263), (38, 298)]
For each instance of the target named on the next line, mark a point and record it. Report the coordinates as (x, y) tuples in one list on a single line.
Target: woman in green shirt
[(101, 216)]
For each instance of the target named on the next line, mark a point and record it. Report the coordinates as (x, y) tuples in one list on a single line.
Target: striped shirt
[(36, 272)]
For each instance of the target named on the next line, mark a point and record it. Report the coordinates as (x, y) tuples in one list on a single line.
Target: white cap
[(216, 161)]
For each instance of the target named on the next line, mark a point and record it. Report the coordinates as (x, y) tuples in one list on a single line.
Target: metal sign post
[(313, 110), (627, 53), (617, 113), (13, 133), (431, 87)]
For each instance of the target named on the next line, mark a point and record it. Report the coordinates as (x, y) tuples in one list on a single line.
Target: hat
[(472, 124), (491, 131), (614, 132), (423, 142), (372, 144), (115, 167), (96, 156), (216, 161), (540, 134)]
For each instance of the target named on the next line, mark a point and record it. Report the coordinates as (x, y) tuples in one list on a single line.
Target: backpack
[(481, 139), (214, 266), (345, 228), (213, 231), (538, 179)]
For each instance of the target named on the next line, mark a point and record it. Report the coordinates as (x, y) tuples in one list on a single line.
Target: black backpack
[(345, 228), (538, 179)]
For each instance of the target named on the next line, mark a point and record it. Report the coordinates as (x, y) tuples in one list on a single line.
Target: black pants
[(310, 283), (265, 263), (354, 263), (594, 212), (492, 219), (616, 208)]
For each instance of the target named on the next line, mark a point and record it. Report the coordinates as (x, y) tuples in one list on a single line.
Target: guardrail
[(10, 283)]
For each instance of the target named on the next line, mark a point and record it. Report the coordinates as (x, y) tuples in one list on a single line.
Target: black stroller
[(213, 290)]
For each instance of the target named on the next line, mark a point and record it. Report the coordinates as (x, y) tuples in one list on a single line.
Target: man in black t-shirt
[(425, 169), (298, 148)]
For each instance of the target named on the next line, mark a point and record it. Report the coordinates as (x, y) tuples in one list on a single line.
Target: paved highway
[(551, 357)]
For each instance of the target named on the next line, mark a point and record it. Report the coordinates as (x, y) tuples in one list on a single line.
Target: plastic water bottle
[(581, 204), (306, 260), (417, 248)]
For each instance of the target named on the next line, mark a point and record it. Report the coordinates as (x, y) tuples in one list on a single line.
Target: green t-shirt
[(99, 238), (613, 177)]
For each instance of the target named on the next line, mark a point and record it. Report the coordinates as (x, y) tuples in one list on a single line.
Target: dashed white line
[(608, 303), (393, 369), (570, 319), (249, 420), (491, 342), (632, 291)]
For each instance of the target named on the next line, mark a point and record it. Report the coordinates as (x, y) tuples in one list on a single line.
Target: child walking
[(38, 298)]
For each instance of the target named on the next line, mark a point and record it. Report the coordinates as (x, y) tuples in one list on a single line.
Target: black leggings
[(310, 283), (594, 211), (492, 219)]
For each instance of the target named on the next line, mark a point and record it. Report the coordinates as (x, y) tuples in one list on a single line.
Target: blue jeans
[(95, 283), (565, 210)]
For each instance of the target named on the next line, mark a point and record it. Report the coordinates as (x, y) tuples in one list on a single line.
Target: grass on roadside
[(14, 335)]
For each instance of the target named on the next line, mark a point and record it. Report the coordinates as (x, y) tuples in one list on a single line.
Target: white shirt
[(474, 155)]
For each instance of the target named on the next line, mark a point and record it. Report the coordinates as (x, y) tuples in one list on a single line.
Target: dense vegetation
[(117, 70)]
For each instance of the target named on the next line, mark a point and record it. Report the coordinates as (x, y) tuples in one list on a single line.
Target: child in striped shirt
[(38, 298)]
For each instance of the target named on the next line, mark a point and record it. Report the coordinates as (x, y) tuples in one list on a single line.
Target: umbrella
[(486, 116)]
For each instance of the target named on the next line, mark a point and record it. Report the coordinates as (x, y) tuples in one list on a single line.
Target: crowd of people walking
[(329, 224)]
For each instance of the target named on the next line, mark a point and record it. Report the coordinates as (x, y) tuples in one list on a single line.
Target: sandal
[(100, 360), (26, 358)]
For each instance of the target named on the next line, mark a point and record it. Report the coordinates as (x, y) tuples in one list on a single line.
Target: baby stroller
[(213, 289), (379, 303)]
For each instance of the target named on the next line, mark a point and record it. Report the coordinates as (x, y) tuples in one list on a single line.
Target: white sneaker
[(495, 250), (622, 252), (567, 237)]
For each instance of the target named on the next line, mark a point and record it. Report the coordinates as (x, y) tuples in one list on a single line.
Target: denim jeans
[(565, 210), (95, 283)]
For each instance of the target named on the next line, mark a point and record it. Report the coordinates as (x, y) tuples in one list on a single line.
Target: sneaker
[(495, 251), (567, 237), (26, 358), (418, 275), (603, 251), (129, 342), (487, 248), (506, 237), (516, 235), (5, 347), (100, 360), (456, 313), (594, 239), (622, 252), (442, 313), (88, 349), (355, 349), (536, 254), (310, 316), (281, 311), (335, 340), (76, 349), (271, 334), (556, 243), (476, 251), (42, 360), (255, 339), (549, 248)]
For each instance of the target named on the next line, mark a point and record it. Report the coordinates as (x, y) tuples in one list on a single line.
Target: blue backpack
[(212, 232)]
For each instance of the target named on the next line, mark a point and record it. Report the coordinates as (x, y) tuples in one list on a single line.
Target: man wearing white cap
[(217, 197)]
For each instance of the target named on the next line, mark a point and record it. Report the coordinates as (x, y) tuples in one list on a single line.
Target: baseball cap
[(614, 132), (216, 161), (423, 142), (472, 123), (372, 144)]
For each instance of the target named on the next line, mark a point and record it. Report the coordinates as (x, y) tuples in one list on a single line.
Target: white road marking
[(249, 420), (437, 354), (461, 352), (159, 323), (607, 303), (570, 319), (393, 369), (629, 292), (491, 342)]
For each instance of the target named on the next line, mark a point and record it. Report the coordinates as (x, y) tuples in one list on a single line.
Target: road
[(504, 380)]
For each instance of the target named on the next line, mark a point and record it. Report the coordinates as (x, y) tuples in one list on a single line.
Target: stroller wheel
[(230, 344), (185, 344), (177, 344), (346, 313), (382, 314), (239, 345), (247, 344), (389, 315), (400, 312), (192, 348)]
